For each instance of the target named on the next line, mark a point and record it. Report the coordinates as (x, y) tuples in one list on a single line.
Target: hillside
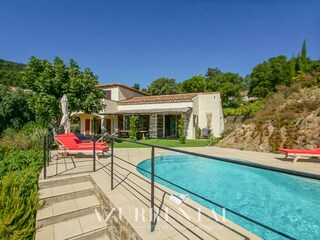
[(291, 122), (11, 73)]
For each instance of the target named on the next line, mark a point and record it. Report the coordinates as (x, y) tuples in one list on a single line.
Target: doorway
[(98, 126), (108, 125), (87, 127), (170, 126)]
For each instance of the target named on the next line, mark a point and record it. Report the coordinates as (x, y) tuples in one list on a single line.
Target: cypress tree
[(304, 56)]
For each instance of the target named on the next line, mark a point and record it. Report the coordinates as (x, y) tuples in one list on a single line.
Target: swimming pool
[(286, 203)]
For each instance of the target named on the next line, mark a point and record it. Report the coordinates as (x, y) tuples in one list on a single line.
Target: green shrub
[(246, 109), (29, 137), (198, 132), (18, 210), (20, 165), (212, 140), (133, 127), (226, 132), (182, 137), (21, 161), (75, 128)]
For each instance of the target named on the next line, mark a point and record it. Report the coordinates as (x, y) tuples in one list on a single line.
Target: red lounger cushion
[(87, 147), (77, 140), (70, 143), (301, 151)]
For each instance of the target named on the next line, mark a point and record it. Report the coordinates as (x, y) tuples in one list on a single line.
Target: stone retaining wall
[(118, 228)]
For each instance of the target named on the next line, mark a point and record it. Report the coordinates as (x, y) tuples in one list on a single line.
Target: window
[(107, 94), (195, 120), (142, 124), (209, 119), (126, 123)]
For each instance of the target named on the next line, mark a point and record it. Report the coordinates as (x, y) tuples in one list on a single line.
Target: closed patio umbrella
[(65, 121)]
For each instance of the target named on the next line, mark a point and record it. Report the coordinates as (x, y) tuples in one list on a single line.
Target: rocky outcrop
[(233, 122), (295, 124)]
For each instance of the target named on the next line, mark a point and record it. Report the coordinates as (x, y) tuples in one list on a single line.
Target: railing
[(48, 140), (153, 175), (47, 145)]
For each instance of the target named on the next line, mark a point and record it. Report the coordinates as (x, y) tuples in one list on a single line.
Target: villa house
[(158, 115)]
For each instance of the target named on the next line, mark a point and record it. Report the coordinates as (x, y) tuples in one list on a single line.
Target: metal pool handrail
[(153, 175)]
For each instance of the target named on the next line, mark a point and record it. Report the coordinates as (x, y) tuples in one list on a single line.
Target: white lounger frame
[(63, 151), (300, 155)]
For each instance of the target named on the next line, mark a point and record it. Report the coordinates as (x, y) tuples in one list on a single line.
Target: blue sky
[(137, 41)]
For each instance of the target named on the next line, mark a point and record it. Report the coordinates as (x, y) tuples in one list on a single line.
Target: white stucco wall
[(125, 93), (190, 130), (154, 106), (114, 124), (119, 93), (83, 117), (209, 103), (111, 106), (114, 93)]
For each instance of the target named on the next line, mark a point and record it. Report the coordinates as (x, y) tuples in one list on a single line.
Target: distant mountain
[(11, 73)]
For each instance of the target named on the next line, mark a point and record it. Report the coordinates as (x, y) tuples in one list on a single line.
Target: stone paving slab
[(86, 202), (64, 207), (68, 206), (67, 229), (46, 233)]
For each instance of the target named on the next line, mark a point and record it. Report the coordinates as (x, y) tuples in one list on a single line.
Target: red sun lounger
[(298, 153), (69, 144), (77, 140)]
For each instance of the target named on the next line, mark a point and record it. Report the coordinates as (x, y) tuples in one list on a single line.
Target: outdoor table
[(124, 133), (144, 134)]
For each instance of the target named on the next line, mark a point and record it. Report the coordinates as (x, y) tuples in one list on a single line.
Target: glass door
[(170, 126)]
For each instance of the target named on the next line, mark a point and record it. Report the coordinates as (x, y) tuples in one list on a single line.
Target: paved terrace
[(132, 192)]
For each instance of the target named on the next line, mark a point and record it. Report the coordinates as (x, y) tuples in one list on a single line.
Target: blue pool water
[(286, 203)]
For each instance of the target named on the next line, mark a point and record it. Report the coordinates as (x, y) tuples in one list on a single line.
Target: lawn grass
[(162, 142)]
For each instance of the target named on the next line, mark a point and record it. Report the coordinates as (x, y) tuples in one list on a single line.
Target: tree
[(228, 84), (292, 64), (163, 86), (145, 90), (50, 81), (213, 72), (304, 58), (265, 77), (11, 73), (194, 84), (14, 109), (136, 86)]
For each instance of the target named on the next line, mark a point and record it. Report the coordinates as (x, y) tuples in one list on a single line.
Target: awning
[(149, 111)]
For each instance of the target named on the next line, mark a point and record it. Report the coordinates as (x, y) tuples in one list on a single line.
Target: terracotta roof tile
[(186, 97)]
